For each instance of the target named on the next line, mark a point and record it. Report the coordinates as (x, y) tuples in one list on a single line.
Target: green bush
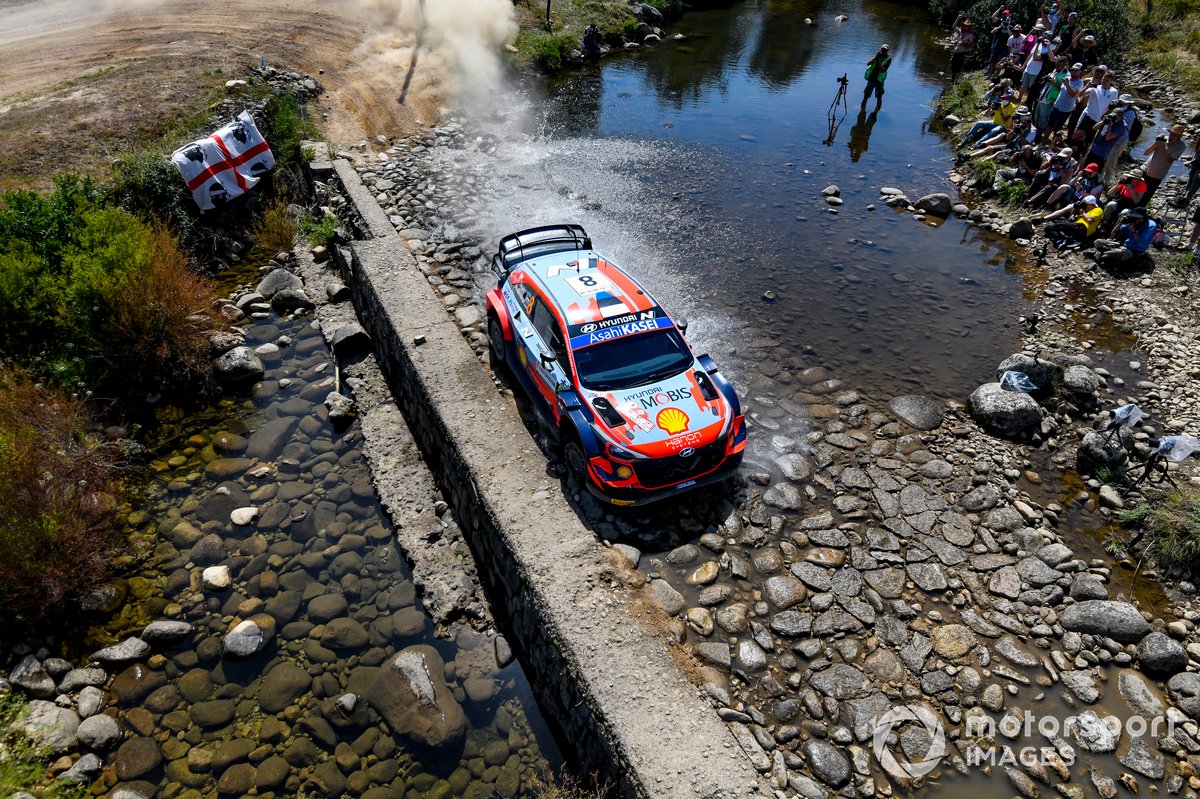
[(544, 50), (962, 98), (286, 125), (1171, 526), (23, 767), (95, 299), (319, 232), (58, 535), (1013, 192), (1109, 19), (149, 187)]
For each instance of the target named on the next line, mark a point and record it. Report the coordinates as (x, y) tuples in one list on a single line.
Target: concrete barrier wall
[(583, 629)]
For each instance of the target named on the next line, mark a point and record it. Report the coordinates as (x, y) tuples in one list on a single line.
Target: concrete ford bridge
[(590, 639)]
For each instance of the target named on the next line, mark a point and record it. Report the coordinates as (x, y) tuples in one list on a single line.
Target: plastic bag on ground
[(1176, 448), (1016, 381), (1128, 415)]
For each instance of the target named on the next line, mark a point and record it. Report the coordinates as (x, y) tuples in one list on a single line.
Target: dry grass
[(1171, 525), (274, 232), (58, 535)]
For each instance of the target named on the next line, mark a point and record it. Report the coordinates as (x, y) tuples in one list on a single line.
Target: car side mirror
[(682, 324), (548, 360)]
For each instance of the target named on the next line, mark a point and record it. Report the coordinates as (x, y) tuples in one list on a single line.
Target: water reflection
[(860, 134)]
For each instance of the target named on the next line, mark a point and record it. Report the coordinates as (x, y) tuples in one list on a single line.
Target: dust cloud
[(460, 43)]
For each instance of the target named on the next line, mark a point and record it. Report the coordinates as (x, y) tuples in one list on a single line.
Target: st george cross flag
[(226, 164)]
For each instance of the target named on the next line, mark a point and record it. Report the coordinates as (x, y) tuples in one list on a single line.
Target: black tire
[(496, 342), (574, 458)]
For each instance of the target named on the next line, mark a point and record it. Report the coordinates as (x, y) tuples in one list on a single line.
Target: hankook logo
[(590, 327), (687, 453)]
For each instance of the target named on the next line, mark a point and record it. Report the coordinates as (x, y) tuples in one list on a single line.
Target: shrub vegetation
[(96, 299), (1171, 528), (58, 534)]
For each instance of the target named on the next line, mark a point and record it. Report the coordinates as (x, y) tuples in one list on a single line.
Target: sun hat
[(1090, 199), (1179, 128), (1039, 27), (1022, 111), (1136, 172), (1125, 98), (1065, 152), (1076, 67), (1073, 15), (1092, 167)]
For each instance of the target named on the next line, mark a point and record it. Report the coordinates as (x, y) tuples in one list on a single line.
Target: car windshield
[(631, 361)]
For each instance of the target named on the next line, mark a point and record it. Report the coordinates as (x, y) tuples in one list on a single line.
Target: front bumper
[(630, 496)]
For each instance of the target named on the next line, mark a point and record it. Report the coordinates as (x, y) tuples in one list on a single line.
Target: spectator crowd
[(1054, 119)]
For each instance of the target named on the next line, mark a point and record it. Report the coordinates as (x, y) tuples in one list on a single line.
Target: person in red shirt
[(1129, 193)]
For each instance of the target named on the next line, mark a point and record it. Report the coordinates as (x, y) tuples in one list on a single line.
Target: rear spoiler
[(534, 241)]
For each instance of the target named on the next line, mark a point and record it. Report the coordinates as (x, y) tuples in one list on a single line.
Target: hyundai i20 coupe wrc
[(638, 417)]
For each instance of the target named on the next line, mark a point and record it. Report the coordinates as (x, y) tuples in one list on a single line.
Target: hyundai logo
[(588, 328), (687, 453)]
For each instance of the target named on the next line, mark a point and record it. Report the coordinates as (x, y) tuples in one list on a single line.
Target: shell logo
[(673, 420)]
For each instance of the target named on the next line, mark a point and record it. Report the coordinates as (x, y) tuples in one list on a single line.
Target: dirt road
[(82, 82)]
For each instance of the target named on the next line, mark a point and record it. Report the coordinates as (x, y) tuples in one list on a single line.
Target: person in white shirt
[(1099, 98), (1033, 66)]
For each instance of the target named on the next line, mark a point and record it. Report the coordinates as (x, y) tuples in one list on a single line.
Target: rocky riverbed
[(886, 552), (273, 641)]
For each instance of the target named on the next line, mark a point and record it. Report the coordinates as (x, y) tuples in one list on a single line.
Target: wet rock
[(1080, 381), (216, 578), (286, 301), (1096, 734), (327, 607), (99, 732), (83, 770), (784, 496), (281, 686), (236, 780), (1005, 413), (276, 281), (243, 517), (979, 499), (1021, 229), (917, 411), (937, 204), (345, 633), (1081, 684), (165, 633), (214, 713), (750, 656), (953, 641), (208, 550), (1184, 690), (1043, 373), (714, 653), (828, 763), (340, 407), (245, 640), (136, 683), (841, 681), (128, 651), (1142, 759), (31, 677), (1088, 586), (75, 679), (239, 366), (1141, 698), (48, 725), (137, 757), (1159, 655), (411, 694), (1110, 497), (1103, 451), (795, 466), (1120, 621), (784, 591)]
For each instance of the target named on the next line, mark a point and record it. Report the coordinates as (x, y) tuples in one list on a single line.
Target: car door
[(547, 340)]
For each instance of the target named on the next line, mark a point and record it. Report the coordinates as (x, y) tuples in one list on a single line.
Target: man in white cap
[(1097, 100), (1070, 87), (1084, 226), (1163, 152)]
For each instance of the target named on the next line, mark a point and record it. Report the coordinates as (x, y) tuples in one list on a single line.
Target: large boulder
[(350, 339), (50, 726), (288, 300), (1184, 690), (917, 411), (1103, 451), (1081, 382), (936, 204), (239, 366), (1119, 621), (1044, 374), (277, 281), (1160, 655), (1021, 229), (1006, 413), (411, 694), (31, 677)]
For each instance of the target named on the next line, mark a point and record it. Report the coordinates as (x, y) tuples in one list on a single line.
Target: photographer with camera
[(1002, 110), (1086, 224), (1163, 152), (876, 74), (1131, 240)]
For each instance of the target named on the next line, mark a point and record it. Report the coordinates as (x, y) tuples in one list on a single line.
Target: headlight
[(621, 453)]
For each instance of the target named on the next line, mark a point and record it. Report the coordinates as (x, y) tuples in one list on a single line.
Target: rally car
[(637, 415)]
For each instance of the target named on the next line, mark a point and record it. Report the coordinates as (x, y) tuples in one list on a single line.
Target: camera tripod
[(835, 121)]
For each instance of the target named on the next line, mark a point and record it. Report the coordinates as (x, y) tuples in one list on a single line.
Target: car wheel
[(574, 458), (495, 341)]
